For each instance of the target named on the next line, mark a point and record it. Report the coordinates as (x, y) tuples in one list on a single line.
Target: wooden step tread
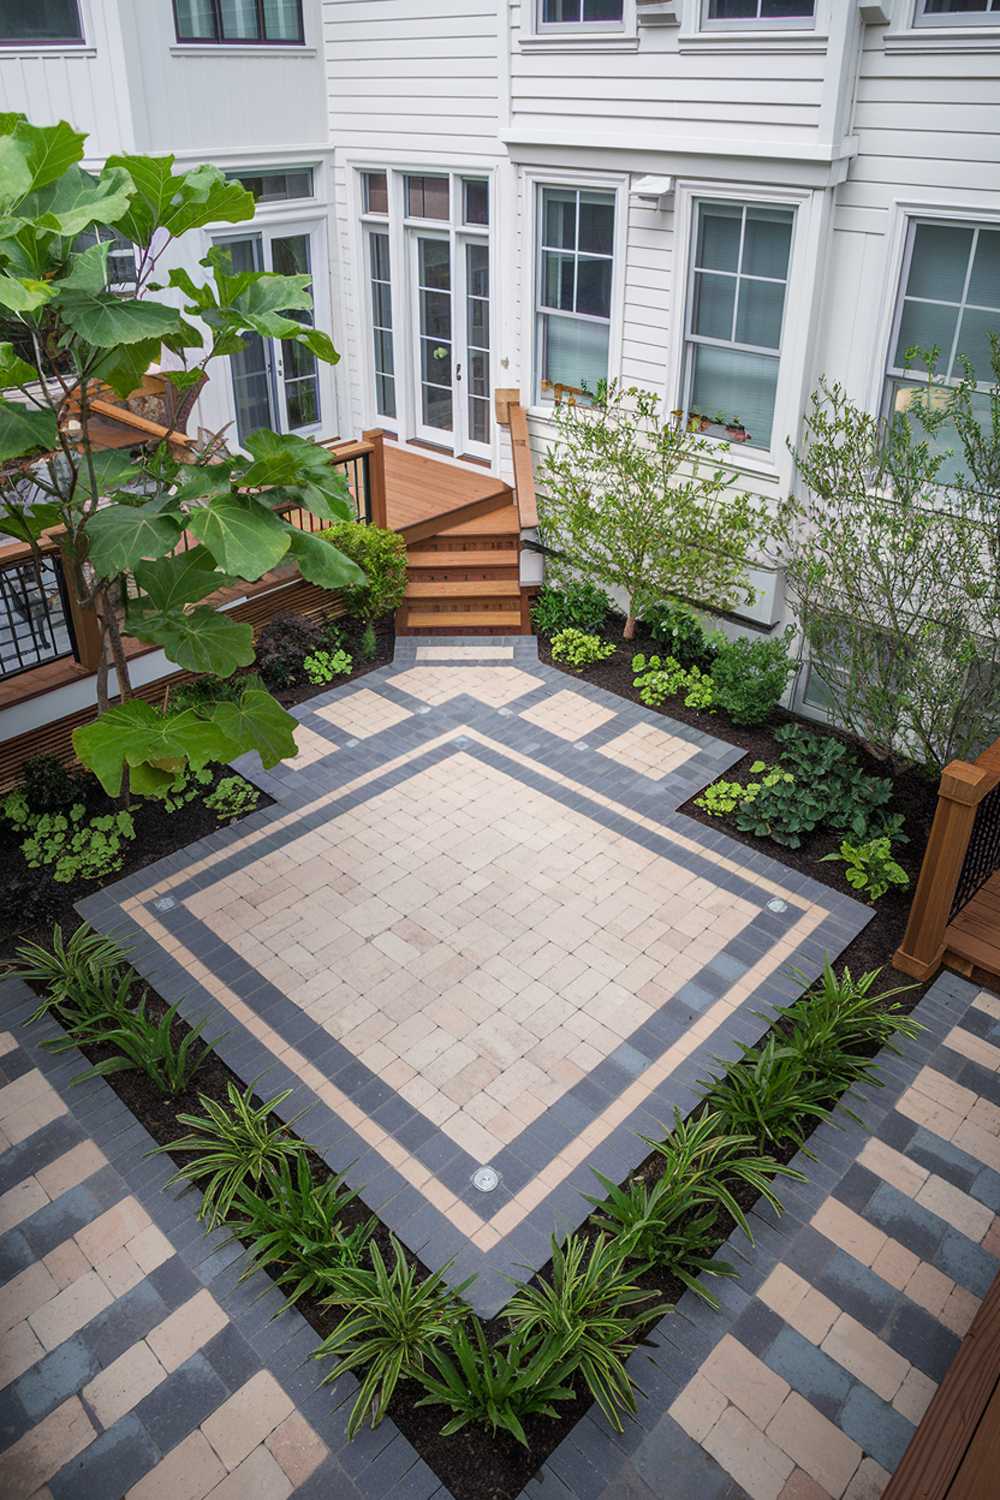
[(459, 618), (496, 557), (500, 522), (465, 588)]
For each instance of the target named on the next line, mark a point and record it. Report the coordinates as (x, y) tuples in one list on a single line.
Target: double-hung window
[(746, 13), (956, 12), (240, 21), (575, 276), (949, 301), (736, 307), (596, 14), (375, 207), (40, 23)]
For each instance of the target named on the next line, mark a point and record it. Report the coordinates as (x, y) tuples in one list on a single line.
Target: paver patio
[(475, 932)]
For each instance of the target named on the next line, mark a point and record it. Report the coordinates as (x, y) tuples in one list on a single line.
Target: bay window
[(574, 282), (949, 301), (735, 312)]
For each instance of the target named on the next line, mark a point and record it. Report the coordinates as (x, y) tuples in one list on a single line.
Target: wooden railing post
[(962, 789), (376, 476)]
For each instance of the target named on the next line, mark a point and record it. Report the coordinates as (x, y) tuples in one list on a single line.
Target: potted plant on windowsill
[(693, 420), (735, 431)]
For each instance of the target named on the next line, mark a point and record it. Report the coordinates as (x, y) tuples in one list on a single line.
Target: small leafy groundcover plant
[(659, 678), (578, 649), (576, 605), (677, 627), (233, 797), (72, 844), (323, 666), (870, 866)]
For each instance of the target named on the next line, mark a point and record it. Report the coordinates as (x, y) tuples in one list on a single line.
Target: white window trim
[(800, 301), (699, 34), (398, 165), (947, 22), (759, 23), (903, 212), (912, 32), (534, 181), (537, 35), (85, 47)]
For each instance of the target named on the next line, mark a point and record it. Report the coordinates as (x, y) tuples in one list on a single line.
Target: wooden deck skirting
[(955, 1452), (938, 931)]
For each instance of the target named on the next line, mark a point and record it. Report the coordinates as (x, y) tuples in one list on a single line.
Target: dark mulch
[(915, 796), (31, 901)]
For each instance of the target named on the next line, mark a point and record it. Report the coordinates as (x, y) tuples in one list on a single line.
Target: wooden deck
[(973, 937), (421, 489)]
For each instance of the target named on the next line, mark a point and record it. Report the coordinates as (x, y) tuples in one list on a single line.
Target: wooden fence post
[(962, 789), (376, 476)]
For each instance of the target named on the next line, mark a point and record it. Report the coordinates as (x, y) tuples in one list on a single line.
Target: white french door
[(278, 383), (450, 305)]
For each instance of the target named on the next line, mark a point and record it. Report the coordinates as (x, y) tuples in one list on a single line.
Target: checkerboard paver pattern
[(134, 1364), (648, 750), (471, 938), (311, 748)]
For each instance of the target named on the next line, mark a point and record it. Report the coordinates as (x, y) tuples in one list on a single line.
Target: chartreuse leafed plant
[(234, 1143), (71, 338), (827, 1042), (232, 798), (496, 1387), (871, 868), (293, 1227), (591, 1311), (393, 1319), (674, 1221), (323, 666), (71, 844), (578, 649)]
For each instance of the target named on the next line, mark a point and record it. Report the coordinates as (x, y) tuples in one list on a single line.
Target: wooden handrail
[(963, 787), (128, 418), (510, 413)]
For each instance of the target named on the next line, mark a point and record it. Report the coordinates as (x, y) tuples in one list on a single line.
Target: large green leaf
[(113, 469), (27, 524), (258, 723), (49, 150), (106, 321), (24, 430), (199, 640), (172, 582), (245, 538), (179, 201), (21, 294), (13, 369), (78, 199), (88, 269), (303, 469), (123, 368), (321, 563), (120, 536), (135, 734)]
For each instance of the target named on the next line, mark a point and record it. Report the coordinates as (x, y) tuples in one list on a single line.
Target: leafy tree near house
[(641, 504), (895, 573), (124, 517)]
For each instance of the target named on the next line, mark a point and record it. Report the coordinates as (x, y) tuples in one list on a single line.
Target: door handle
[(458, 372)]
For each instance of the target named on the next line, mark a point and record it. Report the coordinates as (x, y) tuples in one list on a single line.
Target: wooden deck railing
[(510, 413), (955, 917)]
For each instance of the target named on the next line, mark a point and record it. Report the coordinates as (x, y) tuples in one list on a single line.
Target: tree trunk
[(629, 632)]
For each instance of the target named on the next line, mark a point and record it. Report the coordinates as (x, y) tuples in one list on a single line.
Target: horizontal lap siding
[(410, 77), (928, 128)]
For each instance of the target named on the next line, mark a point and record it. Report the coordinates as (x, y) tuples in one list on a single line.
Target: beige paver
[(865, 1356), (752, 1459), (745, 1380), (29, 1290), (27, 1104), (297, 1448), (192, 1325), (893, 1167), (496, 686), (650, 751), (826, 1454), (73, 1167), (70, 1310), (698, 1407), (914, 1395), (259, 1477), (869, 1481), (363, 713), (569, 715), (963, 1213), (42, 1452), (849, 1230), (110, 1230), (802, 1487), (188, 1472), (974, 1048), (465, 653), (124, 1383), (249, 1416), (20, 1202), (19, 1349)]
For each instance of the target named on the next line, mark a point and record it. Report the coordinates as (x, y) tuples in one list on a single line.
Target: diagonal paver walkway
[(474, 932)]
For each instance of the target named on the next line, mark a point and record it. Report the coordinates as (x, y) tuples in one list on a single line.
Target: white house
[(718, 199)]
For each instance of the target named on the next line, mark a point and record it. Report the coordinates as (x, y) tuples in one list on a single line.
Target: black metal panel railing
[(982, 857), (35, 619)]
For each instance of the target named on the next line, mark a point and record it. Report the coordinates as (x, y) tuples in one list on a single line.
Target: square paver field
[(478, 945)]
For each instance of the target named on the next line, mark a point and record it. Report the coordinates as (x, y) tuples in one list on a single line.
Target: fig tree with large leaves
[(146, 539)]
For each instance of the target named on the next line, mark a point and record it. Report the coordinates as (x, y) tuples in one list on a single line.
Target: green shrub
[(84, 975), (367, 644), (855, 802), (235, 1145), (783, 810), (871, 867), (677, 628), (750, 677), (577, 605), (140, 1044), (202, 693), (392, 1322), (323, 666), (234, 797), (381, 556), (579, 650), (496, 1388), (674, 1222), (774, 1093), (293, 1228), (73, 845), (48, 786), (593, 1308)]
